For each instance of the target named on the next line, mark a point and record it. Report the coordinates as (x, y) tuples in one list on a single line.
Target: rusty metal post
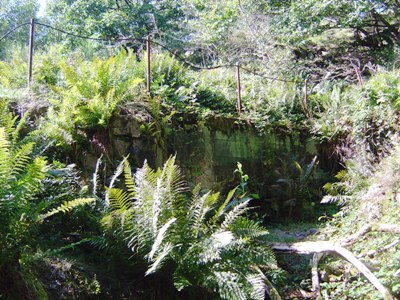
[(148, 65), (305, 93), (306, 109), (239, 99), (31, 44)]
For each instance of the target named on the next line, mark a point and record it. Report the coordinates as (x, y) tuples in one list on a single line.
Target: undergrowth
[(370, 200)]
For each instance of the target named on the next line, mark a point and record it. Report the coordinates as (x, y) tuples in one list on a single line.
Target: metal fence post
[(31, 44), (239, 99), (148, 65), (306, 108)]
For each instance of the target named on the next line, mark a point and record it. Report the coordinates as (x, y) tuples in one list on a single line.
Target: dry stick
[(373, 252), (371, 227), (327, 247), (358, 73), (272, 292)]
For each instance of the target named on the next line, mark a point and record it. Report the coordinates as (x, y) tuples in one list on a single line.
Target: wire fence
[(149, 42)]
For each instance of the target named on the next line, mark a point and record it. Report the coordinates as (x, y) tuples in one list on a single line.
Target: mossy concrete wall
[(209, 151)]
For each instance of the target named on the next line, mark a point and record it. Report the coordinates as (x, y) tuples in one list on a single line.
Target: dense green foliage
[(25, 184), (149, 228), (203, 241), (13, 13), (366, 200)]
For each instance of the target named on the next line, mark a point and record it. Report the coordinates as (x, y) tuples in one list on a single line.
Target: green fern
[(28, 186), (88, 96), (208, 243), (66, 207)]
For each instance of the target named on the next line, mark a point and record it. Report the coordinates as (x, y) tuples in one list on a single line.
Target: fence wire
[(117, 41)]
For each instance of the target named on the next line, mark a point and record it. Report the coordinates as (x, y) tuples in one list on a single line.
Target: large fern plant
[(22, 184), (88, 94), (21, 180), (204, 241)]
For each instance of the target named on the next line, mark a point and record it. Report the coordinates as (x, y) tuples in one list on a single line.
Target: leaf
[(228, 198), (159, 238), (160, 259), (67, 206), (119, 199), (117, 173), (258, 286), (237, 211)]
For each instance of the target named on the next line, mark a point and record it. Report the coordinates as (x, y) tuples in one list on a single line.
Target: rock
[(370, 206)]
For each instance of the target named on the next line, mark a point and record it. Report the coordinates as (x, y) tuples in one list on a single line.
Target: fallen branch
[(368, 228), (373, 252), (327, 247)]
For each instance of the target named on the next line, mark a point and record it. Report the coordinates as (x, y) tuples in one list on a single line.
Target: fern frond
[(257, 283), (172, 178), (198, 211), (257, 255), (17, 129), (99, 242), (67, 206), (30, 180), (214, 245), (139, 238), (95, 177), (222, 208), (20, 158), (159, 238), (310, 170), (129, 180), (117, 173), (40, 255), (235, 213), (180, 281), (145, 179), (4, 155), (229, 285), (7, 120), (248, 229), (160, 259), (119, 199), (157, 201)]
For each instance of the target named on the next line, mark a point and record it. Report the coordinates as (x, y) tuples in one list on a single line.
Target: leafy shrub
[(358, 121), (272, 103), (185, 89), (14, 71), (371, 199), (384, 88)]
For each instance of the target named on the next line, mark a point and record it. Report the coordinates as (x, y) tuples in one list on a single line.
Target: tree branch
[(373, 252), (314, 273), (327, 247), (371, 227)]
